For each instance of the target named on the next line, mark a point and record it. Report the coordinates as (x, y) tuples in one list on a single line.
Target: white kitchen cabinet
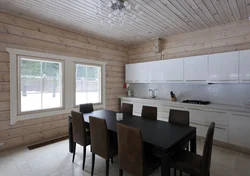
[(129, 73), (173, 70), (224, 67), (155, 71), (136, 73), (239, 127), (244, 66), (196, 69)]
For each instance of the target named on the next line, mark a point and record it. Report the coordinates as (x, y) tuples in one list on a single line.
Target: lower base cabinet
[(239, 129)]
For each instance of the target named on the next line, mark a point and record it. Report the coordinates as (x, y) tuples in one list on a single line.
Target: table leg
[(193, 146), (165, 167), (70, 135)]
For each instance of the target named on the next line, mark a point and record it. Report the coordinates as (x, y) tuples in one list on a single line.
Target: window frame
[(19, 112), (74, 79), (68, 84)]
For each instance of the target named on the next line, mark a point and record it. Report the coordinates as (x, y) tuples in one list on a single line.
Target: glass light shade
[(126, 3), (109, 4)]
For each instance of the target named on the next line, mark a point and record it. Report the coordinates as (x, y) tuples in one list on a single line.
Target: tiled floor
[(55, 160)]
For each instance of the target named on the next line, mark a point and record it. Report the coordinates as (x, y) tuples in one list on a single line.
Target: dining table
[(163, 136)]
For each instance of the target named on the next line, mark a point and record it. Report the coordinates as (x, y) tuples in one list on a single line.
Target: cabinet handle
[(207, 125), (224, 80), (241, 115), (194, 80), (207, 110)]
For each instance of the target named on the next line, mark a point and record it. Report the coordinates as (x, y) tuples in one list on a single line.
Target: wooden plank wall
[(230, 37), (21, 33)]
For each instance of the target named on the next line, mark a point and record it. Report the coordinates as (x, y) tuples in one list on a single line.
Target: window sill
[(14, 118)]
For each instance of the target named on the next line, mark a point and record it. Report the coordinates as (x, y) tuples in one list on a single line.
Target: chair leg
[(93, 164), (84, 157), (174, 172), (107, 167), (112, 161), (74, 151), (180, 173), (120, 172)]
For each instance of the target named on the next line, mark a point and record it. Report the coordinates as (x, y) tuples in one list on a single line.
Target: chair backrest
[(127, 108), (130, 149), (207, 151), (79, 129), (179, 117), (149, 112), (99, 136), (86, 108)]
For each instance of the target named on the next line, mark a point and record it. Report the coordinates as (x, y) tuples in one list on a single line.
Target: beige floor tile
[(243, 165), (224, 157)]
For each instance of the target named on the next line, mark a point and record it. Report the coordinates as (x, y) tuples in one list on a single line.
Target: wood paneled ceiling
[(160, 18)]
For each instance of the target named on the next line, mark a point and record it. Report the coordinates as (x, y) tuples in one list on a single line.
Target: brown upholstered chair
[(192, 163), (101, 145), (86, 108), (149, 113), (127, 108), (179, 117), (80, 135), (131, 152)]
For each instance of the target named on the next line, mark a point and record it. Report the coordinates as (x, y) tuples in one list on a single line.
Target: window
[(88, 84), (40, 84)]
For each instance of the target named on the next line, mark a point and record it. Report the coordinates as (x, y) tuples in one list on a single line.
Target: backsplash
[(231, 94)]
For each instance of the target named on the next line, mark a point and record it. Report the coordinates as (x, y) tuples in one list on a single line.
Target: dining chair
[(86, 108), (80, 135), (179, 117), (131, 154), (192, 163), (101, 144), (127, 108), (149, 112)]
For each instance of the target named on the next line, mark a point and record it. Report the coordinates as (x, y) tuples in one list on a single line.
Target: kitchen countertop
[(212, 106)]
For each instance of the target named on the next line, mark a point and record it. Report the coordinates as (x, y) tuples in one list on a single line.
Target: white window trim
[(68, 86)]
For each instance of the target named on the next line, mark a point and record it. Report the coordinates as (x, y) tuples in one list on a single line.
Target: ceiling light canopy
[(118, 12)]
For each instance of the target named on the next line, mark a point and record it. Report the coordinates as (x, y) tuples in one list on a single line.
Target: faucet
[(153, 93)]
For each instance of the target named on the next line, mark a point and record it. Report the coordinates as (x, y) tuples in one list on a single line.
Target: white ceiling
[(161, 18)]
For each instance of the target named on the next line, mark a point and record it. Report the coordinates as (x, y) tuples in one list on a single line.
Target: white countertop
[(212, 106)]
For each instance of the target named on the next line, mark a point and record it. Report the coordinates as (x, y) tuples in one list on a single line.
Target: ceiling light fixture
[(118, 11)]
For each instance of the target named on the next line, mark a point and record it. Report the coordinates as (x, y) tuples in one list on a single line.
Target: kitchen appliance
[(196, 102)]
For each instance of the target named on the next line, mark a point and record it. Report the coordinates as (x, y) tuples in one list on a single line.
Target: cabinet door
[(196, 69), (155, 71), (173, 70), (223, 67), (140, 73), (129, 73), (239, 127), (244, 66)]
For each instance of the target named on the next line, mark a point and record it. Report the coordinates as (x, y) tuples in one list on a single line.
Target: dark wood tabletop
[(158, 133)]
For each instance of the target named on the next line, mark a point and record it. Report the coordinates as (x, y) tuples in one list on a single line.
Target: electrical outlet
[(1, 145)]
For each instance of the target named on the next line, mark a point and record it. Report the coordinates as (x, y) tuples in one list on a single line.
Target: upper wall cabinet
[(223, 67), (155, 71), (136, 73), (129, 73), (173, 71), (244, 62), (196, 69)]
